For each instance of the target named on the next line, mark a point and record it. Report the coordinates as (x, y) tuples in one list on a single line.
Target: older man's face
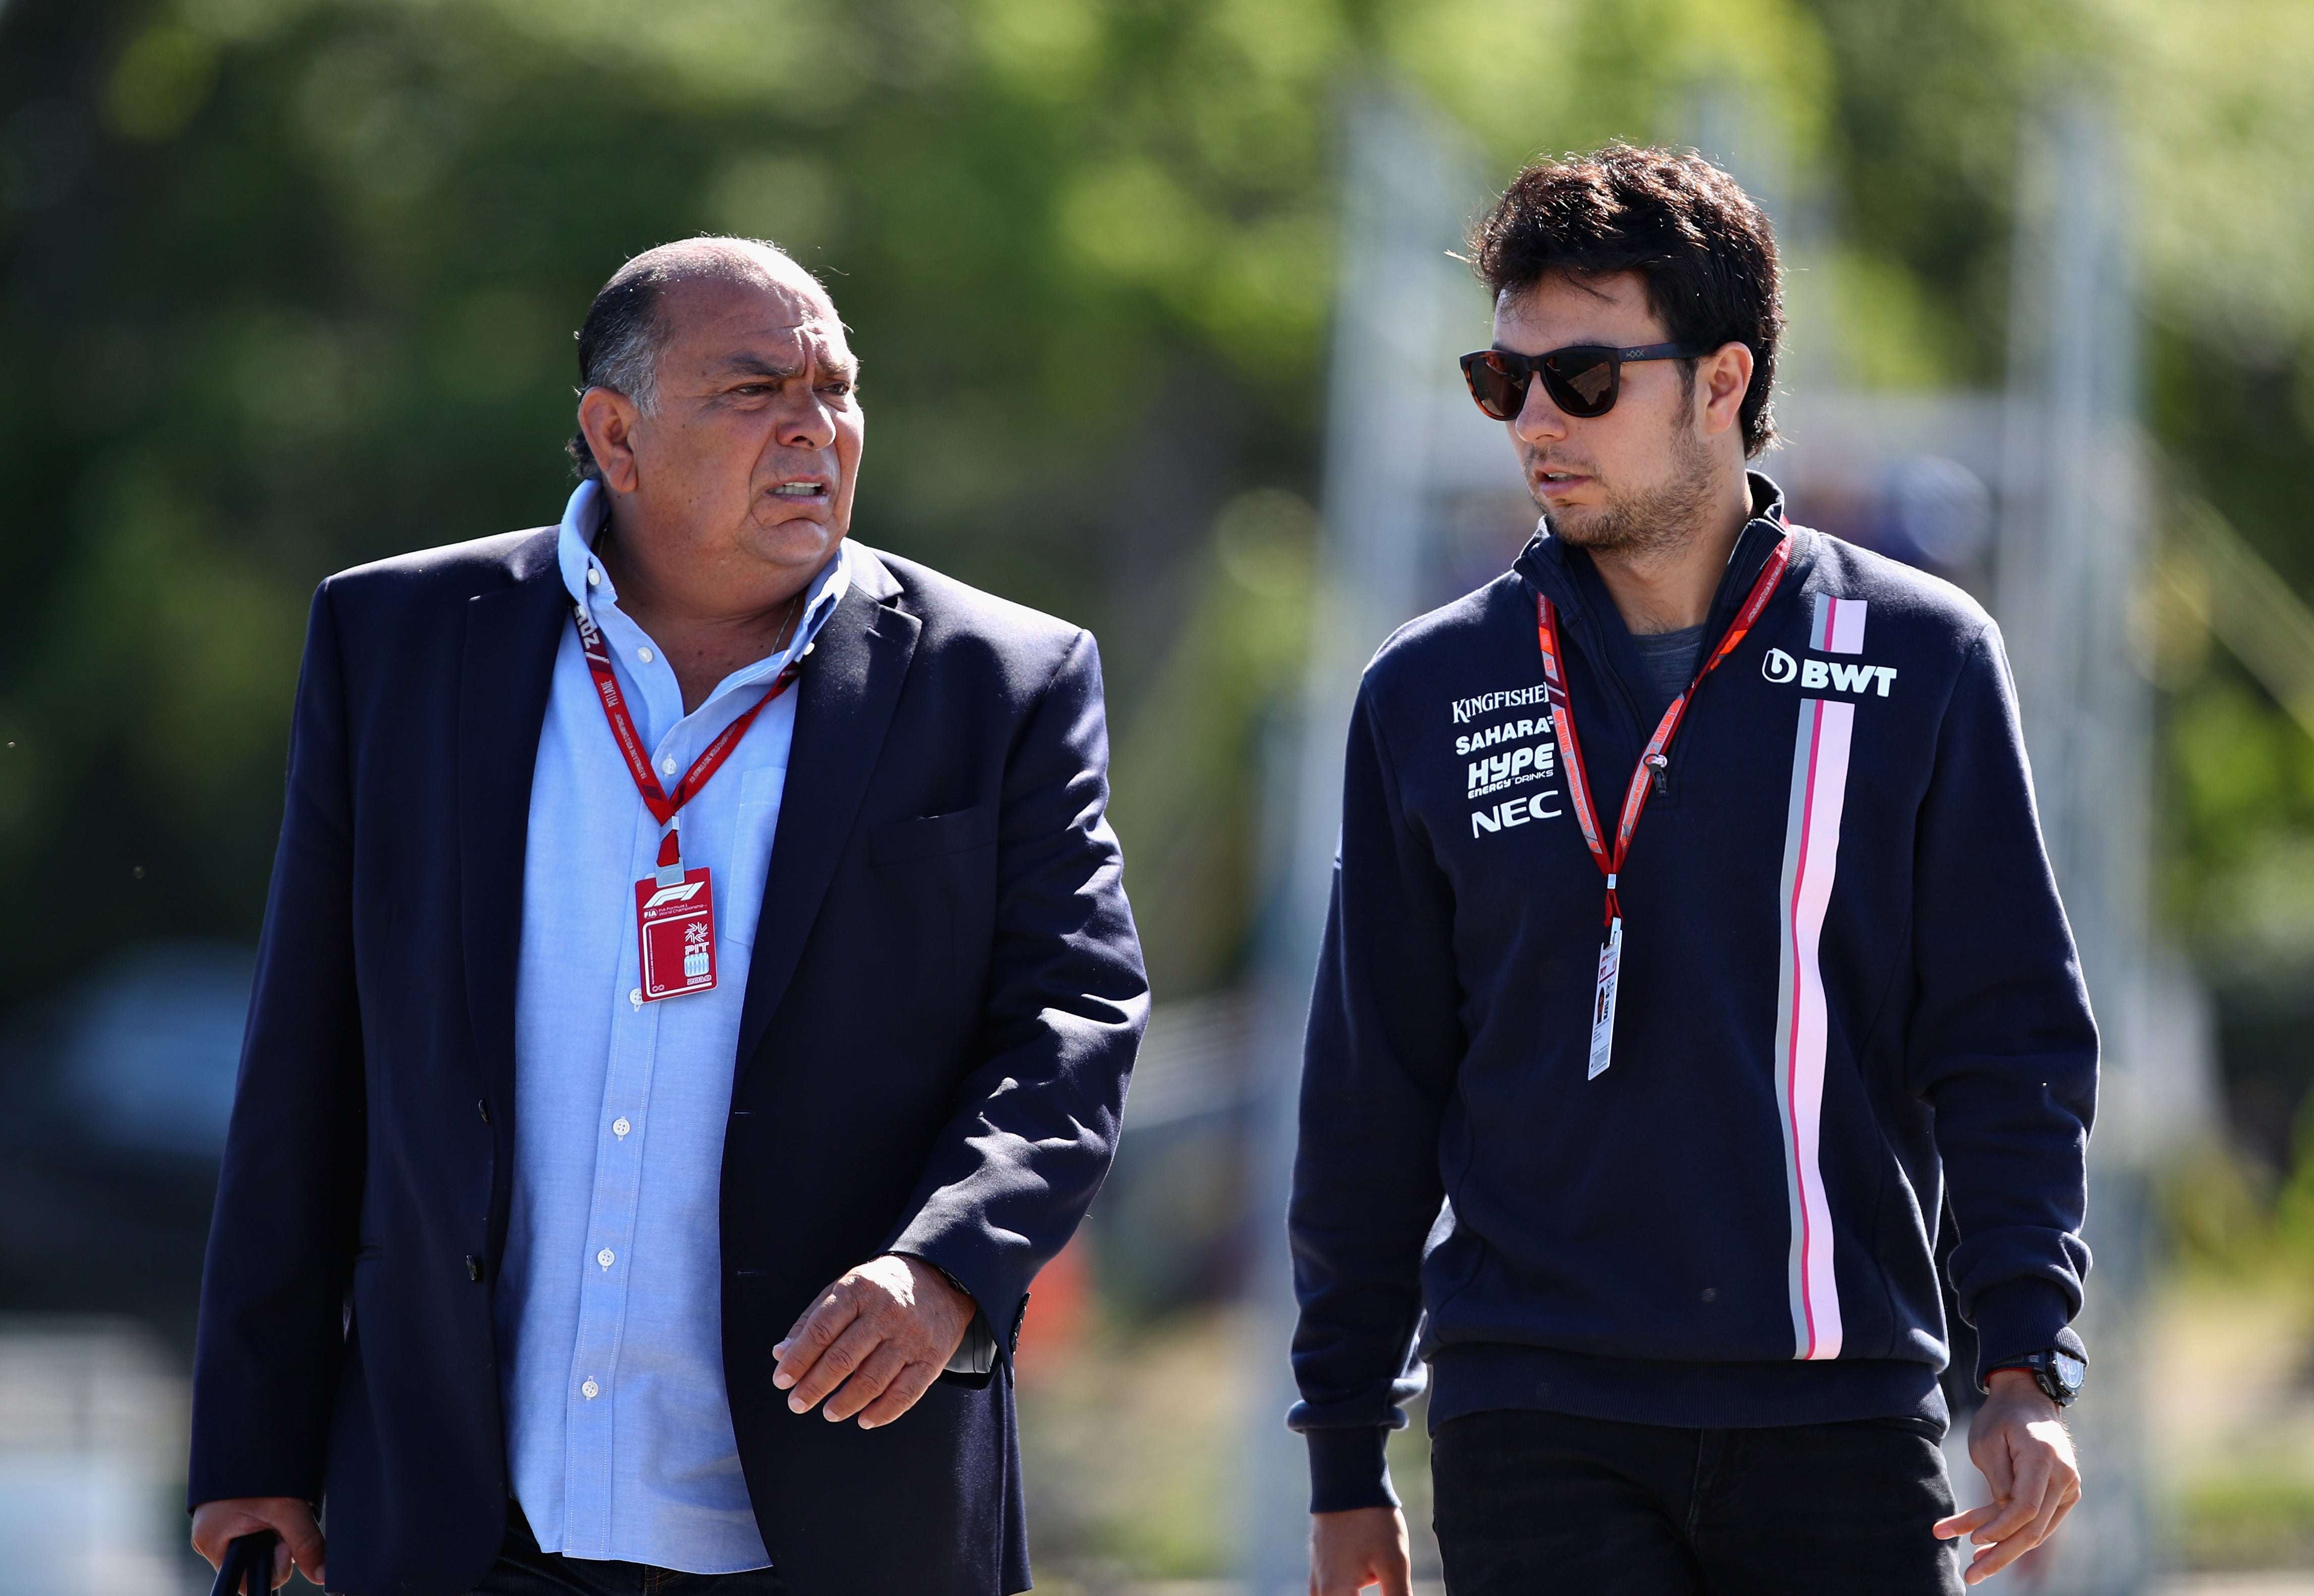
[(755, 449)]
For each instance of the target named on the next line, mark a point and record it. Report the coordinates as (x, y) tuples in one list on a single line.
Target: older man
[(696, 991)]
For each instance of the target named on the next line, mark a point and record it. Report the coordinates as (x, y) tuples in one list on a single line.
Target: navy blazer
[(941, 1012)]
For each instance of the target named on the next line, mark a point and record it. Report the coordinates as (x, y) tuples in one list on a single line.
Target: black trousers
[(1541, 1503), (523, 1570)]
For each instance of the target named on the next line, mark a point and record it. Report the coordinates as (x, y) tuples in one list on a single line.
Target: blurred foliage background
[(287, 285)]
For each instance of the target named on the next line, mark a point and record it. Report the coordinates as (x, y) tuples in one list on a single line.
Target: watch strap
[(2042, 1367)]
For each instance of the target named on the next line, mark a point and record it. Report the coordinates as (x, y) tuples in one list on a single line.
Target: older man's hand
[(216, 1525), (875, 1340)]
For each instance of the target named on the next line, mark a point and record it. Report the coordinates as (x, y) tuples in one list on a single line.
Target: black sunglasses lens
[(1582, 382), (1501, 393)]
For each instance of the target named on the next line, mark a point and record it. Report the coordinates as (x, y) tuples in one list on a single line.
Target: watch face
[(2069, 1370)]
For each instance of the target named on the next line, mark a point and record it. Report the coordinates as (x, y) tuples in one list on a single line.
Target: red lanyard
[(1652, 763), (663, 808)]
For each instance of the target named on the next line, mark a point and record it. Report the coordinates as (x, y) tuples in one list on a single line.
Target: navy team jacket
[(939, 1021), (1850, 1011)]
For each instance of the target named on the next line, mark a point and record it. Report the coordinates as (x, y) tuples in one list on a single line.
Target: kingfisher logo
[(1466, 710)]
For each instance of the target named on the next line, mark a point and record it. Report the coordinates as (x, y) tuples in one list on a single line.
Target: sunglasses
[(1582, 379)]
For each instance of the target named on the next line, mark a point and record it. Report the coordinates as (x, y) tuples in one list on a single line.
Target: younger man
[(1692, 950)]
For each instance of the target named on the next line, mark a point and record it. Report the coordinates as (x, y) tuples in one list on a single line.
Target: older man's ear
[(608, 420)]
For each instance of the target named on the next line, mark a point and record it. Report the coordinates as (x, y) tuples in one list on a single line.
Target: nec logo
[(1817, 674), (1518, 811)]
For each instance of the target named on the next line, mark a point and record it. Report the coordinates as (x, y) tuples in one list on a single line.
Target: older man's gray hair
[(625, 336)]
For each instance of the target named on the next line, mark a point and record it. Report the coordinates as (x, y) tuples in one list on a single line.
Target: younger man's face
[(1644, 471)]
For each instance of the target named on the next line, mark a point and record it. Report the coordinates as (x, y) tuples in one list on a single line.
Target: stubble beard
[(1646, 520)]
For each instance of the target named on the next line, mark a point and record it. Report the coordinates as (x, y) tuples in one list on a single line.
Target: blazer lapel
[(843, 705), (508, 671)]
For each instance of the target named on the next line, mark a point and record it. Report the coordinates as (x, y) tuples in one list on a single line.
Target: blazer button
[(473, 1268)]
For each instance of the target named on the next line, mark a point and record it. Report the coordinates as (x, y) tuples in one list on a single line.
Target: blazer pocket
[(932, 835)]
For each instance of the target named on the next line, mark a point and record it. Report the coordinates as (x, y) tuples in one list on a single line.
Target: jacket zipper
[(1722, 610)]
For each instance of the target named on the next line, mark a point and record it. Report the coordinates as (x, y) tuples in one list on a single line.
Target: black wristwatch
[(2056, 1371)]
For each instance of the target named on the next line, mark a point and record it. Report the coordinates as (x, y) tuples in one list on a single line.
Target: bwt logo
[(1817, 674)]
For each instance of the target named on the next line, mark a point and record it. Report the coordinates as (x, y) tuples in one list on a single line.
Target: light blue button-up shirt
[(610, 1300)]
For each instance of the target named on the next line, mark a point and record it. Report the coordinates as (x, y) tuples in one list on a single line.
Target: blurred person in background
[(1692, 949), (697, 989)]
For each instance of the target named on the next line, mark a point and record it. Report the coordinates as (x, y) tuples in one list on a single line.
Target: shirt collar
[(583, 517)]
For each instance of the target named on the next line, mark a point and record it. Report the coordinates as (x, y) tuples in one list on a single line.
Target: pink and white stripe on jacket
[(1811, 860)]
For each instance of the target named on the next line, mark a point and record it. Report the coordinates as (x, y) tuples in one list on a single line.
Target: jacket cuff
[(1346, 1469), (2018, 1317), (977, 1354)]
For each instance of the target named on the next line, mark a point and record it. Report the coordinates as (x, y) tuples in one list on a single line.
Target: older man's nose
[(811, 425)]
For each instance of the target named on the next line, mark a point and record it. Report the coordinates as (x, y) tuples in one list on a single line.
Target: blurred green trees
[(290, 284)]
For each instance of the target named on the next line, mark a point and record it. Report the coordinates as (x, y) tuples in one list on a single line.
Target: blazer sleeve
[(1384, 1044), (2002, 1045), (282, 1239), (1017, 1164)]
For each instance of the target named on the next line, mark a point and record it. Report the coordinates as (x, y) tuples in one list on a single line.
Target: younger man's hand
[(1357, 1550), (2018, 1440)]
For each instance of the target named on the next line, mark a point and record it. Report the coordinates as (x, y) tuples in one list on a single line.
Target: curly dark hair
[(1704, 250)]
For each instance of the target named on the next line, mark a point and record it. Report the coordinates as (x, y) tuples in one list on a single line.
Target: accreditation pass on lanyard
[(1646, 776), (675, 907)]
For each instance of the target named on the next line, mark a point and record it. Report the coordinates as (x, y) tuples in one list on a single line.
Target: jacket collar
[(506, 669), (849, 686), (1566, 576), (1588, 615)]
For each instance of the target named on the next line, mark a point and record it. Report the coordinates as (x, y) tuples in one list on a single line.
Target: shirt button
[(667, 765), (590, 1390), (594, 577), (606, 1257), (643, 655), (636, 997), (620, 1127)]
